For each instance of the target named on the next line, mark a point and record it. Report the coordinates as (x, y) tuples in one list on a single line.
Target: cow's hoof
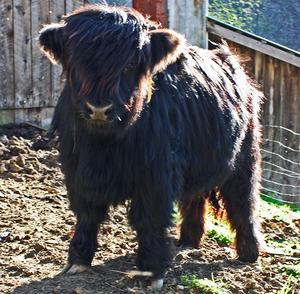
[(65, 268), (156, 285), (74, 269)]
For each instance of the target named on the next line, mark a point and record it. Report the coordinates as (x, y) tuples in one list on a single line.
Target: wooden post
[(40, 66), (22, 53), (189, 18), (7, 98)]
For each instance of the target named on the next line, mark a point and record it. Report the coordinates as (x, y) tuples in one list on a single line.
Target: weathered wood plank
[(73, 4), (57, 10), (39, 116), (7, 116), (22, 53), (7, 98), (127, 3), (189, 18), (41, 79), (258, 60), (248, 42), (274, 118)]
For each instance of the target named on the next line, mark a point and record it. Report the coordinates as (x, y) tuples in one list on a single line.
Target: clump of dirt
[(28, 156), (36, 226)]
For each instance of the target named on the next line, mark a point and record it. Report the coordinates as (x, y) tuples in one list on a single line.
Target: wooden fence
[(277, 70), (29, 84)]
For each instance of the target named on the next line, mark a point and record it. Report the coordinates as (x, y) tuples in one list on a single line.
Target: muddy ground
[(36, 225)]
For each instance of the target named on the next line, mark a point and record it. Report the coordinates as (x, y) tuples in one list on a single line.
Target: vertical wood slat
[(57, 10), (73, 4), (189, 18), (22, 53), (7, 99), (40, 65)]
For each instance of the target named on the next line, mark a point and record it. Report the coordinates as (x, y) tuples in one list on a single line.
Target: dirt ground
[(36, 225)]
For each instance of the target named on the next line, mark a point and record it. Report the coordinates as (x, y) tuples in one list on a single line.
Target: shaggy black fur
[(184, 122)]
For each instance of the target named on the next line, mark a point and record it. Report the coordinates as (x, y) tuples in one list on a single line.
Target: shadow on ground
[(111, 277)]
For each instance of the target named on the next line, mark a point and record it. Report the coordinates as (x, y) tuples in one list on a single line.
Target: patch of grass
[(219, 230), (291, 269), (273, 201), (205, 286), (288, 287), (216, 229), (221, 238), (283, 245), (277, 212)]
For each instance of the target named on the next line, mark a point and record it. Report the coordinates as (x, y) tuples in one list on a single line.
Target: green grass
[(272, 200), (282, 216), (279, 212), (288, 288), (291, 270), (205, 286), (219, 230), (285, 246), (223, 239)]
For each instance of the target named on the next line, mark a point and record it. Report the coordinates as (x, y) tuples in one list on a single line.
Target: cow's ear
[(51, 41), (166, 46)]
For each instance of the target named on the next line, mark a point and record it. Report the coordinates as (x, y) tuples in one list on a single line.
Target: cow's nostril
[(88, 109), (99, 113), (109, 111)]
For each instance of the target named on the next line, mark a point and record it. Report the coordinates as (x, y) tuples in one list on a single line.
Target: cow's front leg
[(151, 218), (84, 242)]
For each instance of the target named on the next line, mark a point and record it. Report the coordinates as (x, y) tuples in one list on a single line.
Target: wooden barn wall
[(29, 84), (280, 83)]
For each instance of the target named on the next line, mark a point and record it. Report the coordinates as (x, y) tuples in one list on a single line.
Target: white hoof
[(76, 269), (157, 284)]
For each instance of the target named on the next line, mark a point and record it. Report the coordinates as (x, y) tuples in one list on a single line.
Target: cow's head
[(109, 56)]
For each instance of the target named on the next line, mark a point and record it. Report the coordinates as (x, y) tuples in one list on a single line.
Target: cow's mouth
[(99, 123)]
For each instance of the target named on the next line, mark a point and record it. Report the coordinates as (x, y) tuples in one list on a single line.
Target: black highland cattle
[(146, 117)]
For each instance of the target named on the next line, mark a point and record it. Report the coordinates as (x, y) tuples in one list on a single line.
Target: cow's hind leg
[(240, 194), (84, 242), (192, 226)]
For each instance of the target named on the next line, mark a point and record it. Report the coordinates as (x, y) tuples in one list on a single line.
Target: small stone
[(196, 253), (4, 139), (180, 287), (78, 290), (20, 160), (179, 257), (296, 254), (14, 167), (31, 170), (3, 169), (120, 251)]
